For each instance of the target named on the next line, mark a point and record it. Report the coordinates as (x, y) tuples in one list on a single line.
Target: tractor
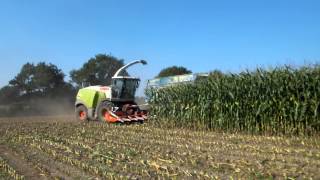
[(114, 103)]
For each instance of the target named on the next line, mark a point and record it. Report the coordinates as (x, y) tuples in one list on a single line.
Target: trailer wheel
[(82, 113)]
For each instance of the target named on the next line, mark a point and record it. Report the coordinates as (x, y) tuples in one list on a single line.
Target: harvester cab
[(114, 103)]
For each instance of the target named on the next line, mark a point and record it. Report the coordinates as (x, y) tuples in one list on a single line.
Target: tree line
[(41, 89)]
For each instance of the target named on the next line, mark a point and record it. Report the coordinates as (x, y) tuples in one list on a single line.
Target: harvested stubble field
[(61, 148)]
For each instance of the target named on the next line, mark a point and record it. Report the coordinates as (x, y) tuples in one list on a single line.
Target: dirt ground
[(62, 148)]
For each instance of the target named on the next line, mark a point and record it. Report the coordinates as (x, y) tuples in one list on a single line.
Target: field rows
[(63, 148)]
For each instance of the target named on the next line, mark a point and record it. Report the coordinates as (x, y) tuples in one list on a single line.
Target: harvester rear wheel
[(82, 113)]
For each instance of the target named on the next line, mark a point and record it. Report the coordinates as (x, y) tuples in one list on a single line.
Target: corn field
[(282, 100), (59, 147)]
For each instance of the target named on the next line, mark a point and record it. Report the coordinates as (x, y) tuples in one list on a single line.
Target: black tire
[(82, 113), (103, 107)]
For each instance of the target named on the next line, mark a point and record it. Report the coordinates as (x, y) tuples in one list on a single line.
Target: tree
[(8, 94), (38, 78), (98, 70), (48, 76), (37, 89), (173, 70), (216, 74), (23, 81)]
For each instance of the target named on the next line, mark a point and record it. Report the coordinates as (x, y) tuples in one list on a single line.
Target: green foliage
[(279, 101), (98, 70), (8, 94), (24, 78), (37, 89), (38, 78), (174, 70), (47, 76)]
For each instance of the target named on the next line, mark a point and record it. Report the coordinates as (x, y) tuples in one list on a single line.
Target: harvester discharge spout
[(128, 65)]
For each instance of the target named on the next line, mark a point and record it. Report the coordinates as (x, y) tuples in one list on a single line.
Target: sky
[(202, 35)]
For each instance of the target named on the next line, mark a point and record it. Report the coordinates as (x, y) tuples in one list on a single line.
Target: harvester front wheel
[(82, 113), (105, 112)]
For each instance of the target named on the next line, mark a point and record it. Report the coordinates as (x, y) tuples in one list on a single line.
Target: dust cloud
[(39, 107)]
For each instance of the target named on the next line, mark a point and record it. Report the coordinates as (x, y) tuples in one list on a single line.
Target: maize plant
[(282, 100)]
